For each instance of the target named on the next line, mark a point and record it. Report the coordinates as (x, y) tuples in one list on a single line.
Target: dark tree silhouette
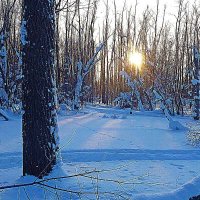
[(39, 91), (195, 198)]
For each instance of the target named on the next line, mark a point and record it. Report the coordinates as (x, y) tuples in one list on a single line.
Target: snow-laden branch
[(134, 86), (91, 63), (46, 180), (174, 125), (82, 72)]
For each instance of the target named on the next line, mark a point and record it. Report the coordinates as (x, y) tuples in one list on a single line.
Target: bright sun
[(136, 59)]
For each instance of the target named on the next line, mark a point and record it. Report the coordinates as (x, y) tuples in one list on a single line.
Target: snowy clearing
[(138, 155)]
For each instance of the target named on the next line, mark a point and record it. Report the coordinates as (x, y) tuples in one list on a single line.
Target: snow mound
[(187, 191), (194, 137), (39, 191)]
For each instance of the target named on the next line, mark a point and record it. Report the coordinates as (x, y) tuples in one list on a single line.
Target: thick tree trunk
[(40, 137)]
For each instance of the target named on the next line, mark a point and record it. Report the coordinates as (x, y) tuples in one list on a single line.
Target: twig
[(44, 180)]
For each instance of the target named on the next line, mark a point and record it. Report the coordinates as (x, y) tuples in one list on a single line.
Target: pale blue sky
[(172, 6)]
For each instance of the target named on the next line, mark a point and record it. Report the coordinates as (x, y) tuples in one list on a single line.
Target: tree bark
[(40, 139)]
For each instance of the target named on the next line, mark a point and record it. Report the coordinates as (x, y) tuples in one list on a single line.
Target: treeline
[(91, 53)]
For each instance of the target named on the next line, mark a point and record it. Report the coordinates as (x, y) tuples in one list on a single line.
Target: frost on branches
[(134, 88), (82, 72)]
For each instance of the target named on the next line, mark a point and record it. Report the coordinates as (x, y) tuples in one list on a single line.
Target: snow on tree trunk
[(78, 86), (82, 72), (3, 71), (40, 138), (195, 83)]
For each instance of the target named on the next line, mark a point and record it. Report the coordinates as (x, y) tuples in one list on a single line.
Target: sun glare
[(136, 59)]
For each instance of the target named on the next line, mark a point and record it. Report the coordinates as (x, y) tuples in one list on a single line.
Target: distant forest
[(91, 55)]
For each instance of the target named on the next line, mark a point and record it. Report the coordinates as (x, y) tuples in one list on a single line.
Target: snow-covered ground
[(137, 156)]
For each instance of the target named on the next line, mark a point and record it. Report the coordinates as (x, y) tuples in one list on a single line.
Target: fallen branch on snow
[(44, 180)]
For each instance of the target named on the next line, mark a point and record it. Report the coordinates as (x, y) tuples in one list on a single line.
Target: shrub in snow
[(195, 198), (123, 100), (194, 137), (134, 85)]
